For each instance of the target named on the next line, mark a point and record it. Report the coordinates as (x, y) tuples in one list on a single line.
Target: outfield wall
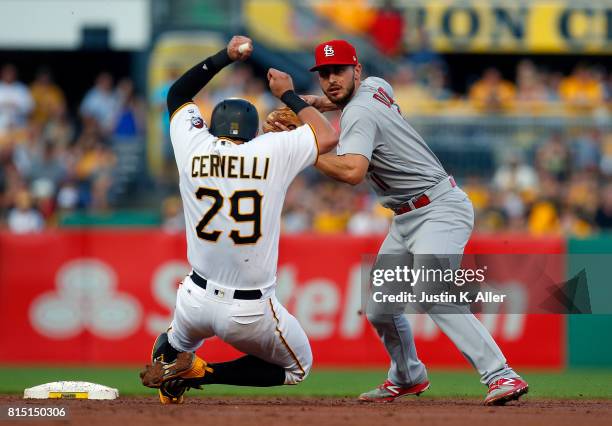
[(590, 336), (101, 297)]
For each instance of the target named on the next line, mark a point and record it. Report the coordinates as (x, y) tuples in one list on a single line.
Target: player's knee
[(296, 375), (379, 319), (299, 372)]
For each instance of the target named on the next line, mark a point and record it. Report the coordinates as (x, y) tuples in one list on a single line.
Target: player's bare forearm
[(321, 103), (348, 168), (189, 84)]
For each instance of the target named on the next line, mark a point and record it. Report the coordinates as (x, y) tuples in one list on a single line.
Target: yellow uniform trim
[(68, 395), (295, 358), (316, 143), (180, 108)]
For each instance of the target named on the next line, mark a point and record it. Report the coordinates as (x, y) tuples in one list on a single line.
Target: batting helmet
[(235, 119)]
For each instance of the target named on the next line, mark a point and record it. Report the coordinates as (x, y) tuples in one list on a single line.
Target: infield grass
[(574, 384)]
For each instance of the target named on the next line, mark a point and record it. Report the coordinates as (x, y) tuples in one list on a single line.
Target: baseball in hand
[(243, 47)]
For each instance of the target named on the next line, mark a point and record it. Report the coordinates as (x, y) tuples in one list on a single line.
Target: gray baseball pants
[(442, 227)]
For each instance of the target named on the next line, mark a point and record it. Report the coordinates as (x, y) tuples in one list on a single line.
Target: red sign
[(100, 296)]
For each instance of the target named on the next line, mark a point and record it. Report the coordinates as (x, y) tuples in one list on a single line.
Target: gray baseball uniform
[(403, 167)]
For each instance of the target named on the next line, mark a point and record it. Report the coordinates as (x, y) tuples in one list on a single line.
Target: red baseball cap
[(334, 52)]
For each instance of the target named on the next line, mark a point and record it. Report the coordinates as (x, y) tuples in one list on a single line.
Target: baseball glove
[(284, 116)]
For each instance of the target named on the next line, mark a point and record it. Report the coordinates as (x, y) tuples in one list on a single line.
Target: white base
[(70, 390)]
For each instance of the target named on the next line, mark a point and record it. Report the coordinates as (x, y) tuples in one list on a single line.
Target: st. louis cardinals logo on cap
[(334, 52)]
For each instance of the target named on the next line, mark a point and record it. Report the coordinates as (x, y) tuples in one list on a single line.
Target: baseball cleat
[(389, 392), (187, 365), (505, 390), (171, 392)]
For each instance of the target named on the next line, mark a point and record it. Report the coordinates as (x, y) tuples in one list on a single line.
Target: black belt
[(238, 294)]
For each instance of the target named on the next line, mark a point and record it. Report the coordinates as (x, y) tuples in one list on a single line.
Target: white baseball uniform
[(232, 198)]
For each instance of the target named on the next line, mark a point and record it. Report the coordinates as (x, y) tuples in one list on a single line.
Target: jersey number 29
[(254, 216)]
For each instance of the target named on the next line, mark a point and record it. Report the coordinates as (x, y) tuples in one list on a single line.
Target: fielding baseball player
[(432, 216), (233, 185)]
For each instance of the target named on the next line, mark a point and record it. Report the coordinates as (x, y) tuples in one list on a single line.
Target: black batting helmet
[(234, 119)]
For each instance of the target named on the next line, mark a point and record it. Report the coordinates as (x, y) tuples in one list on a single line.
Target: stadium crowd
[(53, 161)]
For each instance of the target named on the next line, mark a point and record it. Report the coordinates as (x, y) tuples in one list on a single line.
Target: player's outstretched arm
[(189, 84), (281, 86), (321, 103), (348, 168)]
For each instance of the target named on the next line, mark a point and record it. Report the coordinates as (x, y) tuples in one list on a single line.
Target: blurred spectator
[(93, 169), (423, 55), (603, 216), (334, 207), (256, 93), (297, 216), (478, 192), (129, 115), (553, 158), (234, 84), (159, 102), (514, 209), (574, 223), (532, 93), (585, 151), (100, 103), (43, 192), (49, 166), (582, 90), (59, 128), (543, 217), (352, 16), (582, 193), (330, 220), (173, 219), (102, 178), (387, 28), (374, 220), (48, 98), (408, 92), (552, 82), (68, 197), (491, 217), (15, 100), (296, 219), (515, 175), (491, 93), (605, 163), (24, 218), (437, 84), (24, 154)]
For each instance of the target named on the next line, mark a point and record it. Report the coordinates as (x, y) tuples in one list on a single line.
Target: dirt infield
[(321, 411)]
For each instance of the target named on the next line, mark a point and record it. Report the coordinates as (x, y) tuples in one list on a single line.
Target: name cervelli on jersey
[(230, 166)]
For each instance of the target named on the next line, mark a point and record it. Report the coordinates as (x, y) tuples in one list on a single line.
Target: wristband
[(293, 101)]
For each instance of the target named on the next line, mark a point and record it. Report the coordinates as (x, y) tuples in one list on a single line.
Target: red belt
[(420, 201)]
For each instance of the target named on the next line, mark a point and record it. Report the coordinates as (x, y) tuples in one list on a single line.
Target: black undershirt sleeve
[(189, 84)]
